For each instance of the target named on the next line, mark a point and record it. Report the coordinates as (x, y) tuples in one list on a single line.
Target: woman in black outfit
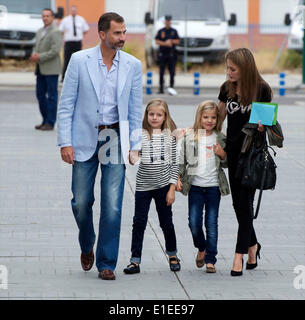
[(243, 86)]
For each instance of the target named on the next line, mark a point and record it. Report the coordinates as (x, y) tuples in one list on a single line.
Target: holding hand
[(179, 185), (133, 156), (67, 154), (35, 57), (169, 43), (219, 151), (170, 196), (179, 133), (260, 127)]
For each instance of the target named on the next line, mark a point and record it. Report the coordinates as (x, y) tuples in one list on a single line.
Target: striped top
[(159, 162)]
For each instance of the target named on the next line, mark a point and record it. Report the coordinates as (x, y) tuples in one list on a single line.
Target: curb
[(297, 88)]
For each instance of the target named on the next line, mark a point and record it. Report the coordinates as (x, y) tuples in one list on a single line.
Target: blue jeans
[(142, 204), (112, 189), (208, 197), (47, 95)]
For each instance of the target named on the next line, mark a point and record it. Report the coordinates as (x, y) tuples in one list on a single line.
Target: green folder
[(275, 112)]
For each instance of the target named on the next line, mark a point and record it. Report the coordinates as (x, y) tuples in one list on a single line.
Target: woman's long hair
[(203, 106), (250, 79), (168, 124)]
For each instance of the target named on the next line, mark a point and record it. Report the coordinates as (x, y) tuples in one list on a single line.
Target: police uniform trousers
[(170, 61)]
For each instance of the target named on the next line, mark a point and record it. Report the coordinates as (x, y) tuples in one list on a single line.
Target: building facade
[(260, 23)]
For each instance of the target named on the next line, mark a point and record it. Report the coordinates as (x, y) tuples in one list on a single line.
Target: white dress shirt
[(108, 112), (66, 26)]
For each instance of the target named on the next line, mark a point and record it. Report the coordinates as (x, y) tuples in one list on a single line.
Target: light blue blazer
[(77, 116)]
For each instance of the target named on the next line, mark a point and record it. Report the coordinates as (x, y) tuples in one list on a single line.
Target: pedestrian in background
[(73, 28), (48, 67), (202, 178), (156, 179), (167, 38), (101, 99)]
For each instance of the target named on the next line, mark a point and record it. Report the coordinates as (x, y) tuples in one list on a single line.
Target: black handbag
[(257, 170)]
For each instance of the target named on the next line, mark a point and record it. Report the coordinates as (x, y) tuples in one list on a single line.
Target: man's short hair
[(105, 20), (48, 9)]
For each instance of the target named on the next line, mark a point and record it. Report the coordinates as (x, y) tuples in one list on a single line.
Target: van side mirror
[(287, 20), (60, 13), (148, 19), (233, 20)]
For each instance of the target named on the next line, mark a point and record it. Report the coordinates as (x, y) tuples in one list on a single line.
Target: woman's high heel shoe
[(238, 273), (250, 266)]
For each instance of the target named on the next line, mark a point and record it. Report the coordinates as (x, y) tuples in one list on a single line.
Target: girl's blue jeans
[(165, 215), (208, 198)]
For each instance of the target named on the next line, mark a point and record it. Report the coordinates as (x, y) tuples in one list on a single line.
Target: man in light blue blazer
[(100, 121)]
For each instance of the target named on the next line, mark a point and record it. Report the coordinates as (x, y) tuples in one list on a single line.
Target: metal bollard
[(149, 82), (196, 83), (282, 88)]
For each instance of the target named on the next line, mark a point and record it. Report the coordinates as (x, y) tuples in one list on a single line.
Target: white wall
[(272, 14), (240, 8), (133, 12)]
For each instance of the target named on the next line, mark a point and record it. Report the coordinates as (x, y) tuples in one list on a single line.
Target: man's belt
[(108, 126)]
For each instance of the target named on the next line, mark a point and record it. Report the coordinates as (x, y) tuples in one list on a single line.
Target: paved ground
[(38, 234)]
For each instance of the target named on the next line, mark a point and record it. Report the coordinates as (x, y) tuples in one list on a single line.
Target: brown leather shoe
[(87, 260), (39, 126), (106, 275), (46, 127), (200, 259)]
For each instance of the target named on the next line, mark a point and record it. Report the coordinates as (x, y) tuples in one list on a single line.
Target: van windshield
[(192, 9), (26, 6)]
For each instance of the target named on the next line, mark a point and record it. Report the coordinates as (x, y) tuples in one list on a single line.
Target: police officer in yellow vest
[(167, 38)]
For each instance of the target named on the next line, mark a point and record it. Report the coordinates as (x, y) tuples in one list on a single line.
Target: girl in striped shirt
[(156, 179)]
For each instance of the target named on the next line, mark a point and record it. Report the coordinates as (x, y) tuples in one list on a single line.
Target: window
[(26, 6), (192, 9)]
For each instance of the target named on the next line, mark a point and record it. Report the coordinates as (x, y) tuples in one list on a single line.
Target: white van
[(296, 22), (201, 25), (19, 22)]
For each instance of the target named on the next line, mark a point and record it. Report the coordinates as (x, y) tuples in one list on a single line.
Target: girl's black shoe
[(132, 268), (174, 266), (250, 266), (238, 273)]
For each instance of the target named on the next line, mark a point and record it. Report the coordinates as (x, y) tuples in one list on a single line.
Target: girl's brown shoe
[(210, 268)]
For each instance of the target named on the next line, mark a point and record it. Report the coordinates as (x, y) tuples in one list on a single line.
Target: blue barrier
[(196, 83), (149, 82), (282, 87)]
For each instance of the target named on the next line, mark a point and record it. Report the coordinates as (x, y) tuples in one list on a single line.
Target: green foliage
[(291, 59), (128, 49), (189, 65), (135, 49)]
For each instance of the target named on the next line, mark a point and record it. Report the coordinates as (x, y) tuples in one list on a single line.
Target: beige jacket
[(189, 160), (48, 47)]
